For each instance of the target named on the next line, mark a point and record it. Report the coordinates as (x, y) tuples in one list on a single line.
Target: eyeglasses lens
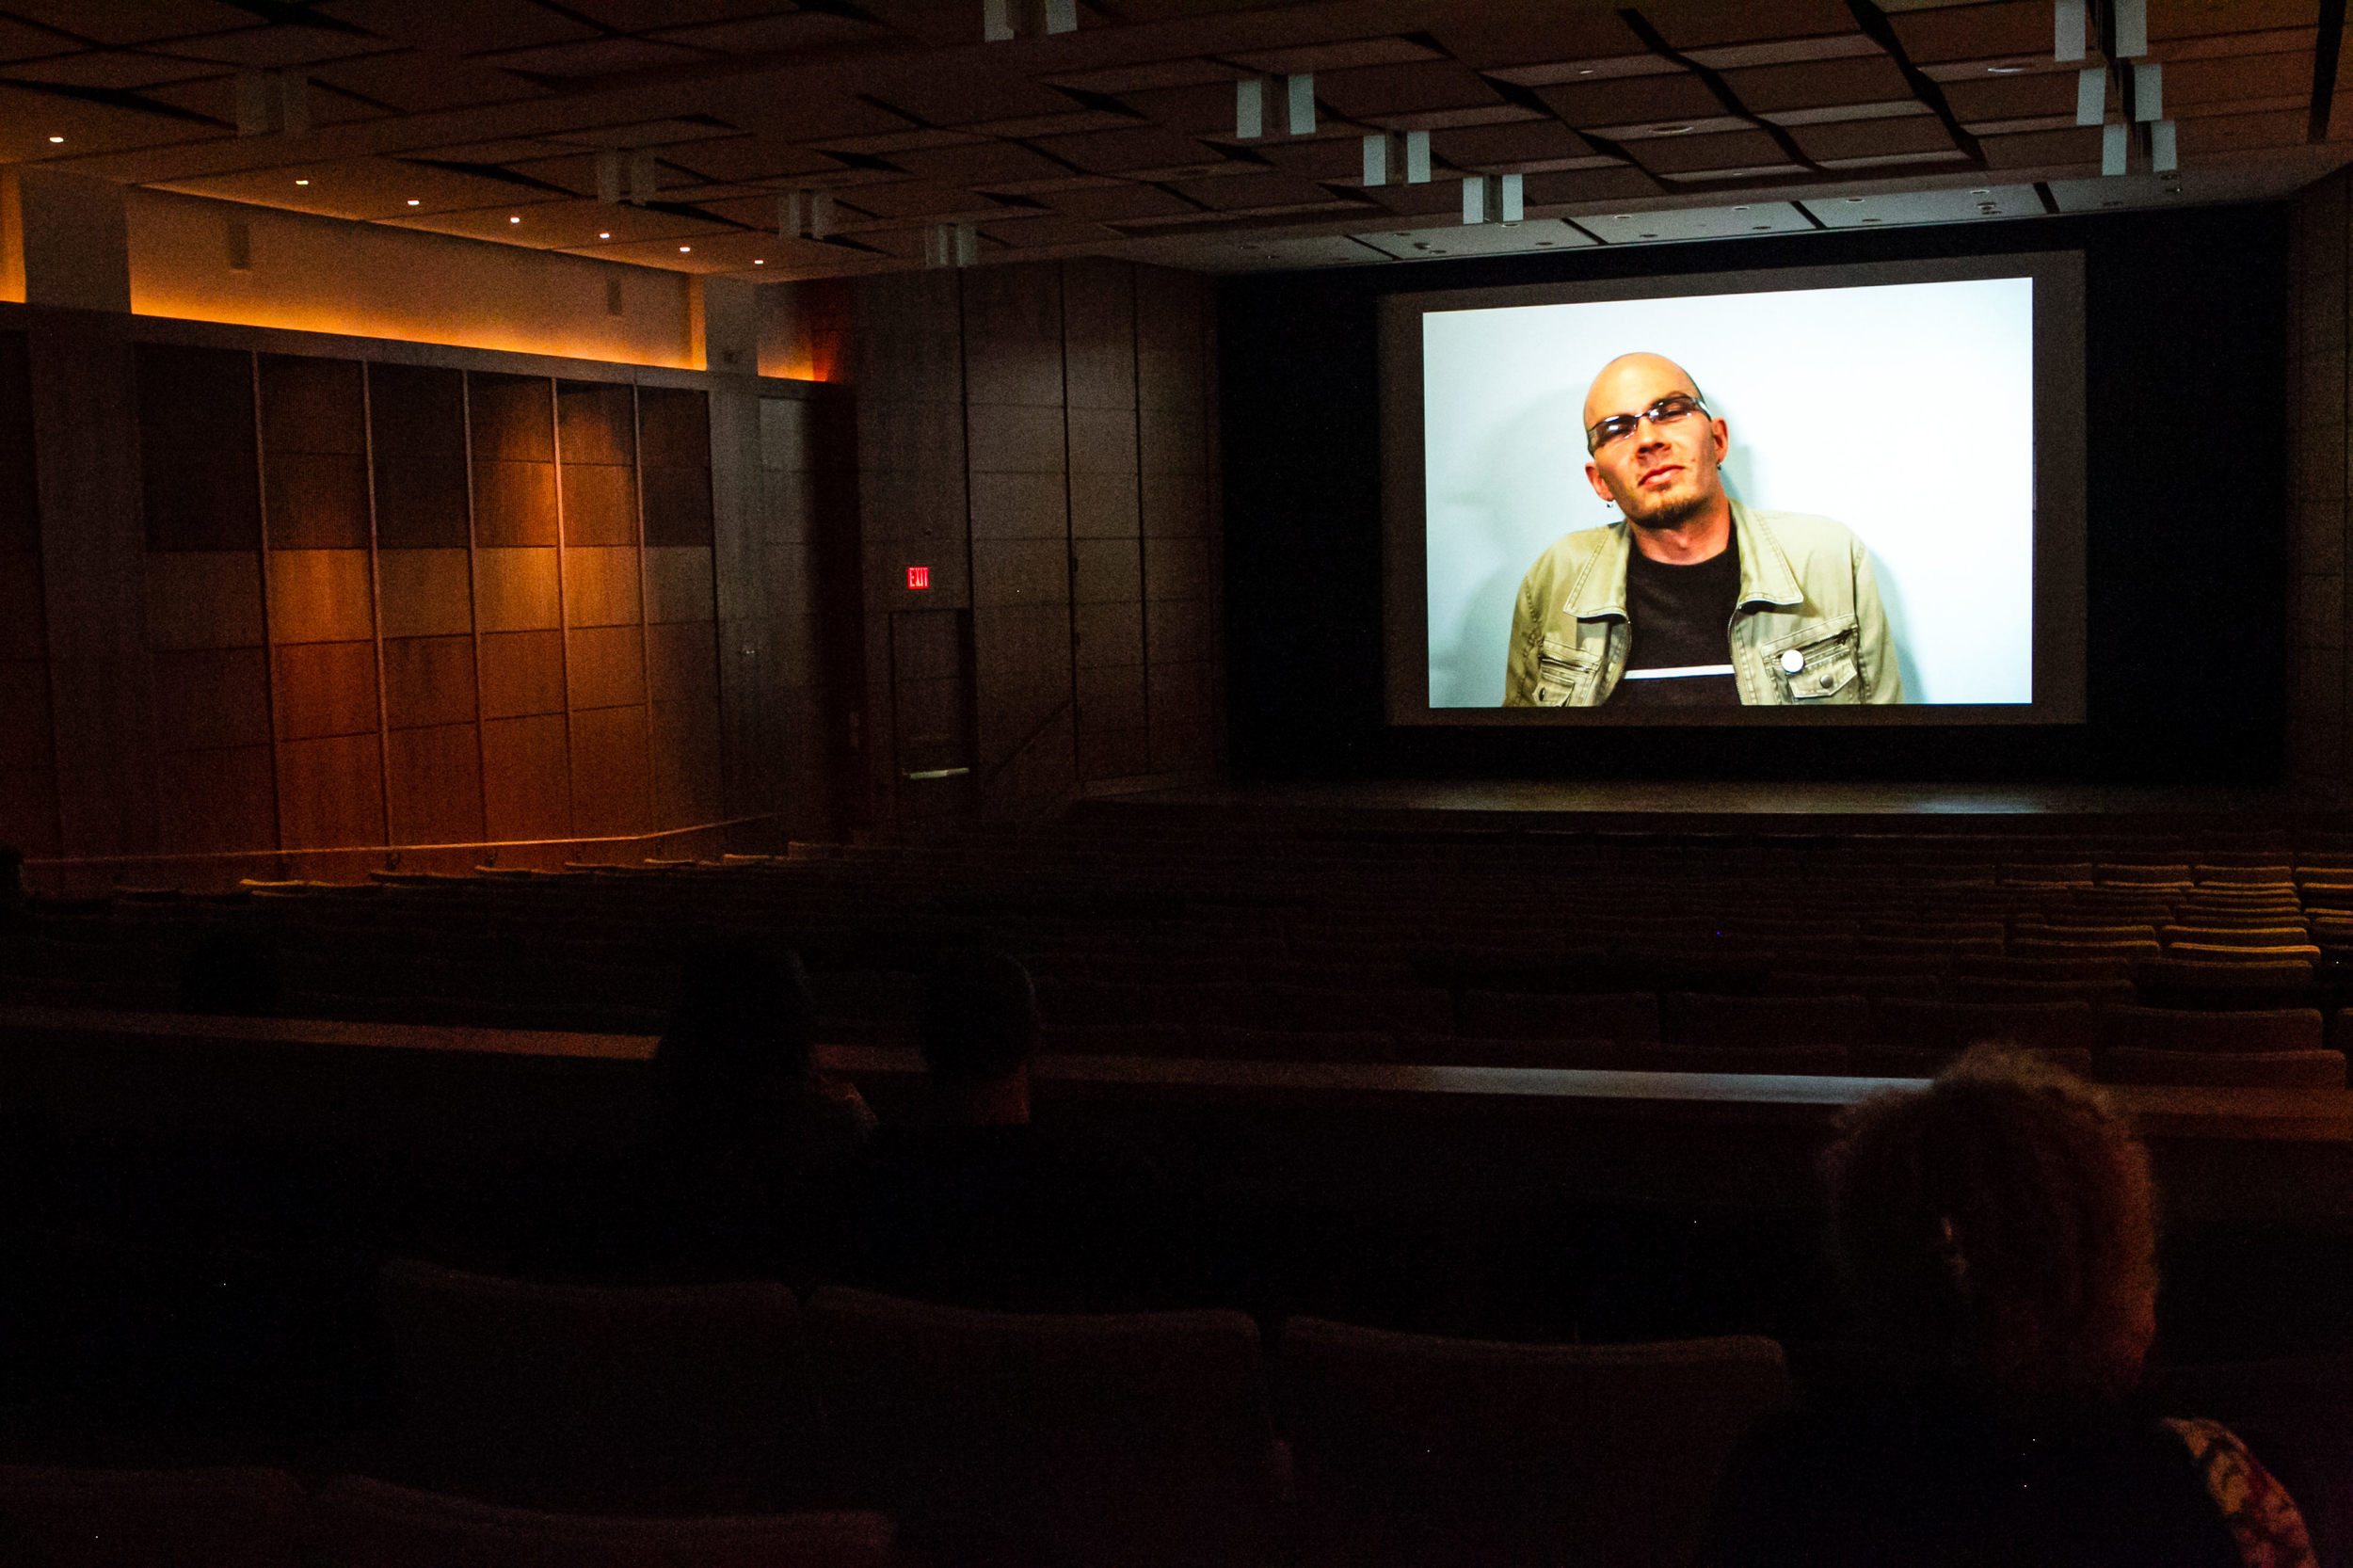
[(1667, 411)]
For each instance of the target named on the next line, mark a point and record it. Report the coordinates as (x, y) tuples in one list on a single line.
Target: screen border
[(2061, 634)]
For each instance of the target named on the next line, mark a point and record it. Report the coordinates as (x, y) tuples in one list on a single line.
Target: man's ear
[(1592, 477), (1723, 436)]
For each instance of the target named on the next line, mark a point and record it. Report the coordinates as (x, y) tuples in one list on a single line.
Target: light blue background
[(1905, 411)]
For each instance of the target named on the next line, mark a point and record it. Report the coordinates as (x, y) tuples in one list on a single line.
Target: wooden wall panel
[(220, 801), (204, 600), (612, 782), (607, 666), (418, 416), (682, 663), (28, 810), (515, 590), (514, 503), (686, 764), (526, 784), (601, 588), (24, 733), (522, 672), (679, 584), (208, 698), (425, 593), (23, 624), (330, 792), (326, 689), (320, 596), (675, 425), (198, 461), (314, 447), (436, 777), (429, 681), (20, 490)]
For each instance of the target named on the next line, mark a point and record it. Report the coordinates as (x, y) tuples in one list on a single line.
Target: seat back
[(359, 1523), (199, 1518), (1411, 1449), (1131, 1438), (1533, 1016), (2225, 1069), (2180, 1030), (1952, 1025), (599, 1398), (1693, 1019)]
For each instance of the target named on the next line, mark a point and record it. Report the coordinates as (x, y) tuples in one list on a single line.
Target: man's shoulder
[(1571, 550), (1808, 529)]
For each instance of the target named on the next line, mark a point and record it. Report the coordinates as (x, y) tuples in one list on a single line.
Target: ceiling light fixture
[(414, 202), (2004, 69), (517, 218), (1857, 199), (757, 262), (685, 249), (1669, 130), (604, 234), (56, 139), (302, 182)]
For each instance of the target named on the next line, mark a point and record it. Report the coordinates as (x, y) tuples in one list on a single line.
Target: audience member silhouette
[(751, 1139), (231, 974), (1996, 1232), (974, 1204)]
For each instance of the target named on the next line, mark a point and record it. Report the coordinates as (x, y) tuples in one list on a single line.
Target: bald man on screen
[(1693, 600)]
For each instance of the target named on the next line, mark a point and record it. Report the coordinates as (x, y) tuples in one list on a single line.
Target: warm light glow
[(514, 221), (757, 262), (56, 139), (414, 202), (302, 182), (685, 249), (606, 235)]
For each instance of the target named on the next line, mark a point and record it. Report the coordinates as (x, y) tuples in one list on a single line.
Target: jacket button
[(1793, 661)]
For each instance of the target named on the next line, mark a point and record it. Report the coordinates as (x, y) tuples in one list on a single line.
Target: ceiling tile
[(930, 96), (1872, 138), (215, 96), (600, 57), (1960, 204), (1508, 149), (1765, 90), (1118, 151), (1632, 100), (911, 199), (1254, 193), (1568, 72), (886, 143), (564, 225), (1436, 199), (1025, 129), (419, 83), (1254, 255), (1340, 158), (1030, 232), (1999, 67), (1826, 46), (1698, 223), (1689, 24), (2276, 41), (361, 188), (2223, 81), (121, 22), (1191, 71), (1621, 183), (1895, 109), (674, 131), (749, 158), (121, 69), (29, 119), (1496, 37), (1114, 204), (472, 27), (2211, 134), (1483, 239), (638, 16), (1380, 94), (795, 31), (1340, 55), (1738, 171), (979, 163), (272, 48), (2035, 149), (22, 40), (1975, 32), (2172, 19), (1665, 130), (702, 253), (2020, 97)]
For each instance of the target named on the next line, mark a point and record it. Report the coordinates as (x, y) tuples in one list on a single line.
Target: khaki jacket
[(1805, 587)]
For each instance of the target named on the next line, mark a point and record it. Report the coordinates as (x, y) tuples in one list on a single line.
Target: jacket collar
[(1765, 575)]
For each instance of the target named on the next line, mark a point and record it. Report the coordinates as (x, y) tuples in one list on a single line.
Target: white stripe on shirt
[(1678, 671)]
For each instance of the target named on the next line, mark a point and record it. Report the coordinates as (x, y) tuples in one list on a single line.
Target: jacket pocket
[(1565, 674), (1816, 664)]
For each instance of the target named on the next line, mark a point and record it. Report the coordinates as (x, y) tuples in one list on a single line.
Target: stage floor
[(1816, 807)]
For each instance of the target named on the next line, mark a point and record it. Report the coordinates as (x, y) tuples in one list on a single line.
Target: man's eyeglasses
[(1671, 410)]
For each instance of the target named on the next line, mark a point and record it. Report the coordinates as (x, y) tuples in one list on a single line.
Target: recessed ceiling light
[(1854, 199), (757, 262), (1981, 193), (1584, 70), (1669, 130), (1740, 209), (414, 202), (1625, 217), (2004, 69), (685, 249), (606, 234), (56, 139), (517, 218), (302, 182)]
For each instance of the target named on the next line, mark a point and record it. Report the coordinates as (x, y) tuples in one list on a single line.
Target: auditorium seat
[(1877, 1061), (359, 1523), (2114, 992), (1414, 1450), (2224, 1069), (2057, 942), (2297, 1029), (1148, 1040), (1222, 1043), (182, 1518), (689, 1399), (1789, 983), (1529, 1016), (1315, 1008), (2232, 985), (1089, 1001), (1693, 1019), (1136, 1439), (1828, 1060), (1456, 1051), (1956, 1025)]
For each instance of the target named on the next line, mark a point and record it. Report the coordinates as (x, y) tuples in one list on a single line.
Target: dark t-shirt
[(1680, 619), (1933, 1483)]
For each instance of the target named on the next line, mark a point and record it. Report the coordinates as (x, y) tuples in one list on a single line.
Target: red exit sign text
[(918, 577)]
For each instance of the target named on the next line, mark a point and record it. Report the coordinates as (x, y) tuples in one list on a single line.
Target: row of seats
[(1140, 1438)]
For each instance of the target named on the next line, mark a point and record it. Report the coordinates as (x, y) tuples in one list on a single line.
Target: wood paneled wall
[(1041, 439), (373, 605)]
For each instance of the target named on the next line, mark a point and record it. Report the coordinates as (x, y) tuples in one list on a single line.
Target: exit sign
[(918, 577)]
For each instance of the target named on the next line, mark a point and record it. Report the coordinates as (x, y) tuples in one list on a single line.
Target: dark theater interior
[(782, 784)]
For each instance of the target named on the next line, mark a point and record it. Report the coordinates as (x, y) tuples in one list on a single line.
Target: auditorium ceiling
[(694, 135)]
